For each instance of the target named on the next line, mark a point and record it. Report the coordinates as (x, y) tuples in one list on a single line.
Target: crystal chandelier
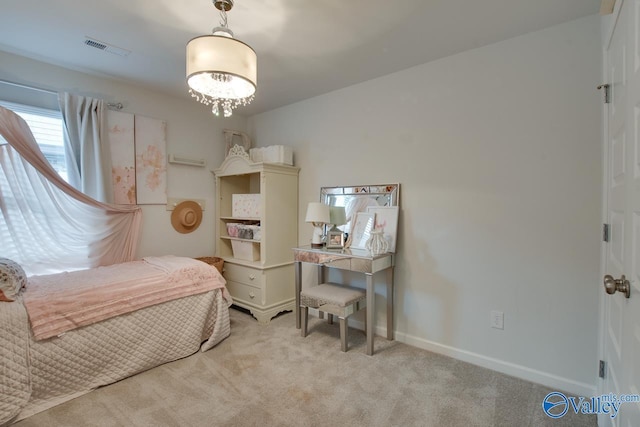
[(221, 70)]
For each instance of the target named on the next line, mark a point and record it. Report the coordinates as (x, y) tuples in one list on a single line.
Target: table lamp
[(318, 214), (337, 216)]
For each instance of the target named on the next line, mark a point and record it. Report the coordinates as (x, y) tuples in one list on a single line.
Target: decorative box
[(245, 205), (257, 235), (232, 229), (245, 250), (280, 154), (245, 232)]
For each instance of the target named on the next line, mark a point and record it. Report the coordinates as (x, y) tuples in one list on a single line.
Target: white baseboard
[(539, 377)]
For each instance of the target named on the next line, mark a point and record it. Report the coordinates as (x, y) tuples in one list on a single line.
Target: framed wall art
[(123, 158), (151, 161)]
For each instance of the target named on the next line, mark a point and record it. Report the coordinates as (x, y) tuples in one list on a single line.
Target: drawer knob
[(252, 295), (252, 276)]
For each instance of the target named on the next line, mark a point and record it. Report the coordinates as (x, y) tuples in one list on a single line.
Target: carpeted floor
[(270, 376)]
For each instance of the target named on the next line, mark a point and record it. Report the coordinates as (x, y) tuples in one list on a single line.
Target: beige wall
[(497, 151)]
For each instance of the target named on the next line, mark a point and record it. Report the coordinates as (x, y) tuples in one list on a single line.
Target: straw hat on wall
[(186, 217)]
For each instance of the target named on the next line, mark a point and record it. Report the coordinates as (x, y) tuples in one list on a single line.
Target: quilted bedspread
[(57, 303), (39, 374)]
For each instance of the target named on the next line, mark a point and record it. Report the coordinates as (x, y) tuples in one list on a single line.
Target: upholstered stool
[(332, 299)]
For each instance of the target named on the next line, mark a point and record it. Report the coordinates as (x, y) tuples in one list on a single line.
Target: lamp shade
[(338, 215), (318, 212), (212, 56)]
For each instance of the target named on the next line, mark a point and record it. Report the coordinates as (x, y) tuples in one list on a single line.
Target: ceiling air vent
[(106, 47)]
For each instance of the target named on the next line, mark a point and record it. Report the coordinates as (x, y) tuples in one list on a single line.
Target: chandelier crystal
[(221, 70)]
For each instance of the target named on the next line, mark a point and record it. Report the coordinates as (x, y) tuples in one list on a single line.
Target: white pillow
[(12, 279)]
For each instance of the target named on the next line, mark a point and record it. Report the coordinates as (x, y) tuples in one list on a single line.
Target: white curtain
[(46, 225), (87, 152)]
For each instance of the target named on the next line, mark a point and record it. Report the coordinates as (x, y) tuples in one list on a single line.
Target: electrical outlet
[(496, 319)]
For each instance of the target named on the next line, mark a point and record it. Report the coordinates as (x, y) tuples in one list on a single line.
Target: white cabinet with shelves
[(259, 274)]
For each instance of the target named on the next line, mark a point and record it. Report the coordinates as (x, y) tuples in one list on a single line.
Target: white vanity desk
[(356, 260)]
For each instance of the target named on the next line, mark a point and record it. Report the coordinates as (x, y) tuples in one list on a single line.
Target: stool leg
[(343, 333), (330, 318), (305, 321)]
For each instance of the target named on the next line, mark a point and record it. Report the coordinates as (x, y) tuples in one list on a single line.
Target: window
[(46, 126)]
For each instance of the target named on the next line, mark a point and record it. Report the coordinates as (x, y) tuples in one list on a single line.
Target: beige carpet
[(270, 376)]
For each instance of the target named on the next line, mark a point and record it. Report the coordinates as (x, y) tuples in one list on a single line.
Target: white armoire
[(259, 273)]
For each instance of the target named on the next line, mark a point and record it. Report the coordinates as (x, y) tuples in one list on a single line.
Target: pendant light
[(221, 70)]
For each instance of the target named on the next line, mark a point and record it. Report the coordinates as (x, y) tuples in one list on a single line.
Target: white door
[(621, 328)]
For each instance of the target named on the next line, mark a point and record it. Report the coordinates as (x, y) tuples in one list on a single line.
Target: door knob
[(612, 285)]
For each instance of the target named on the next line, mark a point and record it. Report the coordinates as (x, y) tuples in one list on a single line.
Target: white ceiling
[(305, 47)]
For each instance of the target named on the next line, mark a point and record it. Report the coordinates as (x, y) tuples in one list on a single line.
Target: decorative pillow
[(12, 279)]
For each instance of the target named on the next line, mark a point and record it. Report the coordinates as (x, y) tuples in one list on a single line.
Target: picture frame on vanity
[(361, 230), (335, 239)]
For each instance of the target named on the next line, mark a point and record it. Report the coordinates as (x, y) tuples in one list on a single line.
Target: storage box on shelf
[(248, 251), (244, 231), (257, 249), (245, 205), (279, 154)]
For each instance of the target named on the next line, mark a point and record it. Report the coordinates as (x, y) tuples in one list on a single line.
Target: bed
[(69, 333)]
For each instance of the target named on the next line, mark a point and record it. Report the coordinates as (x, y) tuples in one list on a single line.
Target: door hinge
[(606, 88), (605, 232), (601, 367)]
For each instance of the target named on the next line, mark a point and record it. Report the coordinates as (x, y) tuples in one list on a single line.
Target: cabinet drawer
[(245, 293), (242, 274)]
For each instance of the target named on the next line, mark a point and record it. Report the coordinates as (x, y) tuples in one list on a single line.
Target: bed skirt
[(49, 372)]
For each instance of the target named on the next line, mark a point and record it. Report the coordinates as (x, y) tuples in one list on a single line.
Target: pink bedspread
[(61, 302)]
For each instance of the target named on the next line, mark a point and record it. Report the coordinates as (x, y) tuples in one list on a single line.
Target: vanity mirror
[(357, 198)]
